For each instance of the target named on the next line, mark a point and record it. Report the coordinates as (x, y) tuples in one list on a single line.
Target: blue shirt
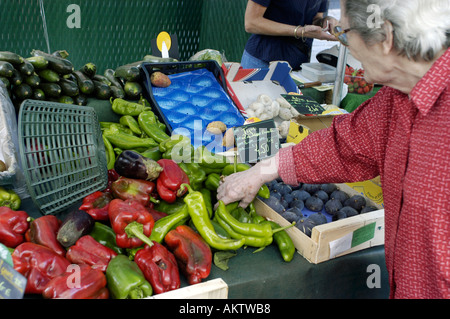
[(286, 48)]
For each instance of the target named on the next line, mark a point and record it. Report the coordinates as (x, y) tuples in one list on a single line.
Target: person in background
[(401, 134), (284, 31)]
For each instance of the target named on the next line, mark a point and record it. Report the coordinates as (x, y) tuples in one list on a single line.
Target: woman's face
[(374, 62)]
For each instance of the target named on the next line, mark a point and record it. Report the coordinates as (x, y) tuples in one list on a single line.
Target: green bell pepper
[(106, 236), (122, 107), (147, 122), (9, 198), (127, 142), (164, 225), (195, 173), (126, 280), (110, 153), (212, 181), (207, 159), (283, 241), (120, 127), (130, 122), (170, 208)]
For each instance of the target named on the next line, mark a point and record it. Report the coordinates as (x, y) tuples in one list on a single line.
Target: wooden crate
[(212, 289), (336, 238)]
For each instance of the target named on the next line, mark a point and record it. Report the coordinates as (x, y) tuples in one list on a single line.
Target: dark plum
[(368, 209), (297, 203), (314, 204), (322, 195), (339, 215), (328, 188), (311, 188), (333, 206), (290, 216), (342, 196), (300, 195), (356, 201), (349, 211), (274, 203)]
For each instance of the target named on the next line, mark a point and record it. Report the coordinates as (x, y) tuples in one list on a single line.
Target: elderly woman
[(401, 134)]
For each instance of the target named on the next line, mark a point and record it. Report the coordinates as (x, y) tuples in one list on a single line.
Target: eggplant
[(133, 165), (76, 224)]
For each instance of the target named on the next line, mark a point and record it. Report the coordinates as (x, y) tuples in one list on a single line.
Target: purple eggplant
[(133, 165), (76, 224)]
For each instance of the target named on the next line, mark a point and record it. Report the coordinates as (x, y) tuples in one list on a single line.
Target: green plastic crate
[(62, 153)]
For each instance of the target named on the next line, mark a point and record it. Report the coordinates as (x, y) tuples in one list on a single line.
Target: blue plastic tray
[(196, 97)]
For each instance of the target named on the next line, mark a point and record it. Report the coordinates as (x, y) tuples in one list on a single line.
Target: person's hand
[(240, 186), (244, 186), (317, 32), (329, 23)]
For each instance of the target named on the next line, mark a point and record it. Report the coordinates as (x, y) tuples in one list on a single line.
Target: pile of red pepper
[(146, 233)]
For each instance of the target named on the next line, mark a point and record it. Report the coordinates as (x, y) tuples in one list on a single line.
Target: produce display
[(356, 82), (154, 222), (52, 77), (310, 205)]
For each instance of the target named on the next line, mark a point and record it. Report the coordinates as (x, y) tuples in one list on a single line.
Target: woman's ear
[(388, 43)]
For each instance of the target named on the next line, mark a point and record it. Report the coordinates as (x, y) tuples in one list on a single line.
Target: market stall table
[(264, 275)]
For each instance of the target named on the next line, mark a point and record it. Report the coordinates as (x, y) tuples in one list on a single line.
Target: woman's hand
[(243, 186), (317, 32)]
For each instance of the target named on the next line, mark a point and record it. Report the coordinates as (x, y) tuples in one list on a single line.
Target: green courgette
[(133, 90), (39, 62), (80, 100), (85, 84), (59, 65), (69, 87), (38, 94), (156, 59), (102, 90), (6, 69), (117, 92), (65, 99), (23, 91), (90, 69), (51, 89), (61, 54), (5, 81), (33, 80), (26, 68), (11, 57), (16, 78), (101, 78), (49, 75), (109, 74), (129, 72)]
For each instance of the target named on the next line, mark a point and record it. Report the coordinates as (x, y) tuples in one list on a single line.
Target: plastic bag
[(209, 54), (9, 145)]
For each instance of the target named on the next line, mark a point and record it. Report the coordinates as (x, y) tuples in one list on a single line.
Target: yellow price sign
[(164, 38)]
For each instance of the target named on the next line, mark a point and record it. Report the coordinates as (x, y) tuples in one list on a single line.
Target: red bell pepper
[(136, 189), (112, 177), (44, 230), (91, 284), (39, 264), (131, 222), (156, 214), (96, 205), (89, 251), (170, 179), (159, 267), (193, 254), (13, 226)]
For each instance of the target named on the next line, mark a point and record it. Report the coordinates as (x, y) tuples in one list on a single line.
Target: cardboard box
[(302, 125), (212, 289), (336, 238), (245, 85)]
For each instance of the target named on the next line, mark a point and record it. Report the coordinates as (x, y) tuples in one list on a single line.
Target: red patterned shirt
[(406, 140)]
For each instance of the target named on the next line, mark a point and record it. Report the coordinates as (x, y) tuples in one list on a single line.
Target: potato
[(159, 79), (216, 127)]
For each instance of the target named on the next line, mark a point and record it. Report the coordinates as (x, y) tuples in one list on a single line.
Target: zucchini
[(90, 69), (16, 78), (85, 84), (132, 90), (65, 99), (101, 78), (69, 87), (49, 75), (61, 54), (80, 100), (26, 68), (102, 90), (51, 89), (33, 80), (59, 65), (23, 91), (129, 72), (39, 62), (156, 59), (6, 69), (117, 92), (109, 74), (38, 94), (5, 81), (11, 57)]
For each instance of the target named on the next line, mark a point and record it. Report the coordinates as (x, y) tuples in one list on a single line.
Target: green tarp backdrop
[(111, 33)]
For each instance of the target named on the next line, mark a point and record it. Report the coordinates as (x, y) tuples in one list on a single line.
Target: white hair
[(421, 27)]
